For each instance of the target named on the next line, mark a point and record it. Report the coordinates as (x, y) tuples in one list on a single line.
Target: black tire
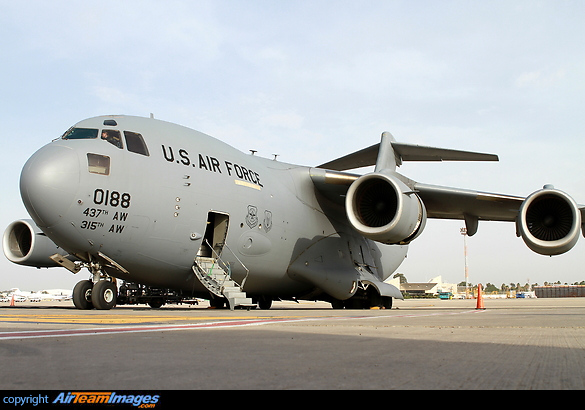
[(264, 303), (387, 302), (217, 303), (104, 295), (337, 304), (156, 303), (82, 295)]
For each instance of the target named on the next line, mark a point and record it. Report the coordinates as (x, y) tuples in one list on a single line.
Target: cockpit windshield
[(134, 141), (80, 134)]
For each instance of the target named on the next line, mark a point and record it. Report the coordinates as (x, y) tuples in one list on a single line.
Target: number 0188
[(111, 198)]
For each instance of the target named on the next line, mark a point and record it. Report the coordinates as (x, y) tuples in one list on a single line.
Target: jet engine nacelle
[(384, 209), (549, 221), (25, 244)]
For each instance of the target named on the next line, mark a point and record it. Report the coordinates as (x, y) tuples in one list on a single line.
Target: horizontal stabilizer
[(404, 152)]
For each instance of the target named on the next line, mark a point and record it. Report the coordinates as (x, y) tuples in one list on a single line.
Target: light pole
[(464, 233)]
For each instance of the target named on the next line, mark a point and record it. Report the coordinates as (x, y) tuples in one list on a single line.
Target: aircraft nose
[(49, 182)]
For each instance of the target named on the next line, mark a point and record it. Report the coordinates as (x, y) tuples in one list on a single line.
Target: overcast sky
[(312, 81)]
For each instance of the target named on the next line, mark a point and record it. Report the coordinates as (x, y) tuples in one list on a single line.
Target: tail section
[(389, 154)]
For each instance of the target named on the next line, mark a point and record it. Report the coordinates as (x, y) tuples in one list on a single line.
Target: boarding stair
[(216, 276)]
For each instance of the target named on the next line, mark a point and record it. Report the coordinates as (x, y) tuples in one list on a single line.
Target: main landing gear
[(101, 295), (367, 298)]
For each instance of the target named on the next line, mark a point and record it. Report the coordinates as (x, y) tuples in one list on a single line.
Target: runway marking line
[(101, 319), (238, 322), (137, 329)]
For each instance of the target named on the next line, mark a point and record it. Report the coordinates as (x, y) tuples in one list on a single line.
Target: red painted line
[(134, 329), (35, 334)]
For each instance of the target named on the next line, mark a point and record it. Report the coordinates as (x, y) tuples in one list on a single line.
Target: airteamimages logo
[(81, 398), (142, 401)]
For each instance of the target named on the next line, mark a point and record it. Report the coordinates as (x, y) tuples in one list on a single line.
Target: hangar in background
[(560, 291)]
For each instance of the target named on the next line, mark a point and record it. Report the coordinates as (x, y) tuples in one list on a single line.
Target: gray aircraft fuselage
[(148, 207)]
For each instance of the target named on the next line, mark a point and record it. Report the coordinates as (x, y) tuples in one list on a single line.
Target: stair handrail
[(241, 263), (226, 264)]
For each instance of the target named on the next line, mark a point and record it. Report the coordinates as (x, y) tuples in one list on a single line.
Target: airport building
[(433, 288)]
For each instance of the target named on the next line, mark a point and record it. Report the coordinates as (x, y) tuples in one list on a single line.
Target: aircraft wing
[(387, 207), (452, 203), (440, 202), (473, 206)]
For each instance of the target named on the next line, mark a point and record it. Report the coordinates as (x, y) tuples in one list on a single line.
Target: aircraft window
[(113, 137), (98, 164), (80, 134), (135, 143)]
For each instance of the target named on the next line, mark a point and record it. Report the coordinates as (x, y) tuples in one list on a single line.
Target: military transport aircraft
[(169, 208)]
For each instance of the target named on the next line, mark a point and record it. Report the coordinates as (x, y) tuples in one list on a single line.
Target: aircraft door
[(215, 235)]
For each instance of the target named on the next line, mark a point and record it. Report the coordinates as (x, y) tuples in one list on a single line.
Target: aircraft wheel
[(357, 303), (156, 303), (386, 302), (264, 303), (217, 303), (337, 304), (104, 294), (82, 295)]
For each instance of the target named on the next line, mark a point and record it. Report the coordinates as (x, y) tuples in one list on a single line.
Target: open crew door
[(215, 234), (211, 271)]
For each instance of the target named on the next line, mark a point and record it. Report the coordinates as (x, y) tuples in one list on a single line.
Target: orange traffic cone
[(479, 298), (12, 300)]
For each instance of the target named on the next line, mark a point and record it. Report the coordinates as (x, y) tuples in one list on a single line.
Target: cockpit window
[(80, 134), (113, 137), (135, 143)]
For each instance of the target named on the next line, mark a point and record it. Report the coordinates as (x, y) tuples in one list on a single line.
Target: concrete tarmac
[(418, 344)]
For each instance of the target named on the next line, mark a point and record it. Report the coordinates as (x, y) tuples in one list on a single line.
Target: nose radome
[(49, 182)]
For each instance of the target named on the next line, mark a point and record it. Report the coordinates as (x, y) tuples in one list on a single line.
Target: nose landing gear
[(101, 296), (100, 293)]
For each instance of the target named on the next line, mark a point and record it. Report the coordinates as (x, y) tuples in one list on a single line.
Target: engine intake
[(549, 221), (25, 244), (384, 209)]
